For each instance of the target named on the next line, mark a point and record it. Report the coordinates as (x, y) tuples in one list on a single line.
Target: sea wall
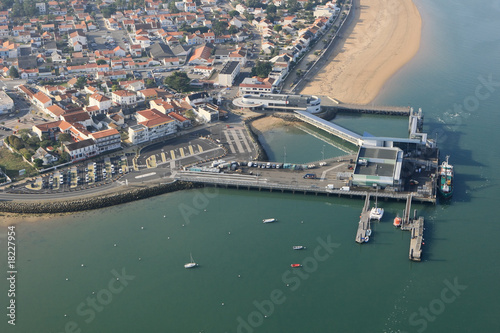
[(261, 154), (94, 202)]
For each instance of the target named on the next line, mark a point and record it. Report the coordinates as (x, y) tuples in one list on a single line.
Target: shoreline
[(383, 37)]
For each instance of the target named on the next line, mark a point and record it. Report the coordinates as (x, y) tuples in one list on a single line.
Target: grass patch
[(11, 164)]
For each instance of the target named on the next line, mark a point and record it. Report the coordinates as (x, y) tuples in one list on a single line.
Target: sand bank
[(267, 123), (384, 36)]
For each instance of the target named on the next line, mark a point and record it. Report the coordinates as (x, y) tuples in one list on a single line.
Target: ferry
[(397, 221), (269, 220), (299, 247), (296, 265), (446, 179)]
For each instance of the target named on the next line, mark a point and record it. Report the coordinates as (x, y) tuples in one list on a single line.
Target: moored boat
[(397, 221), (269, 220), (446, 179), (299, 247), (296, 265)]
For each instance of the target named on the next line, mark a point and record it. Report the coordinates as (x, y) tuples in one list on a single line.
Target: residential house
[(124, 97)]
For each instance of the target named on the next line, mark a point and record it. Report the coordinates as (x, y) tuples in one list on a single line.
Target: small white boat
[(299, 247), (269, 220), (376, 213), (368, 232), (367, 239), (191, 264)]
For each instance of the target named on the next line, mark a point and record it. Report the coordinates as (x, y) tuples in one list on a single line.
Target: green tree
[(190, 115), (150, 83), (65, 157), (172, 8), (262, 69), (277, 28), (248, 16), (219, 27), (64, 137), (38, 162), (108, 11), (115, 87), (178, 81), (80, 82), (233, 13), (232, 29), (15, 142), (271, 9), (101, 62), (13, 72)]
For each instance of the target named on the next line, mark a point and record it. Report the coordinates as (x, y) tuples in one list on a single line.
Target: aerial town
[(82, 79)]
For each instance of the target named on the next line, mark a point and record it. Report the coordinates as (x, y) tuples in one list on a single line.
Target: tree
[(277, 28), (80, 82), (271, 9), (65, 157), (232, 29), (15, 142), (248, 16), (115, 87), (108, 11), (233, 13), (190, 115), (262, 69), (219, 27), (101, 62), (38, 162), (178, 81), (150, 83), (64, 137), (13, 72)]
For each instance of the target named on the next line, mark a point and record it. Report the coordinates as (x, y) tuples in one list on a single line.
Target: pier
[(331, 128), (328, 103), (364, 222), (416, 228)]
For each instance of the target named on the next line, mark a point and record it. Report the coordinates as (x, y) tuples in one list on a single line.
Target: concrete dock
[(417, 233), (416, 228), (364, 222)]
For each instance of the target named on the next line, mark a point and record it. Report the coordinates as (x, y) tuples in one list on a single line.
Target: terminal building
[(378, 166), (279, 102)]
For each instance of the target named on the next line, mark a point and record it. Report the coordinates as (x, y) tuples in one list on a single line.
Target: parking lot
[(81, 176)]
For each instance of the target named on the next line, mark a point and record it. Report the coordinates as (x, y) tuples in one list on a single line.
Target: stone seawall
[(95, 202), (261, 153)]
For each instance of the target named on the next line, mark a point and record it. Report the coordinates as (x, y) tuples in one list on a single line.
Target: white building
[(81, 150), (6, 103), (279, 102), (124, 97), (228, 73)]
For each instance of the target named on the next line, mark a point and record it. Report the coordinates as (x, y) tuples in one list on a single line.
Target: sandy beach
[(383, 37)]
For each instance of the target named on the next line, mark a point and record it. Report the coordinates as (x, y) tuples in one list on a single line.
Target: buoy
[(229, 233), (117, 279), (239, 275), (204, 210), (114, 245), (164, 216), (168, 237), (222, 303), (183, 225), (67, 279), (65, 315), (142, 228), (140, 259), (82, 265)]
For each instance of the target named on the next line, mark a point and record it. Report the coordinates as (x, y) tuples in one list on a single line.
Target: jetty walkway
[(260, 183)]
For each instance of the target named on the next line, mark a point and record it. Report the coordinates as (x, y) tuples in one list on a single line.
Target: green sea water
[(245, 282)]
